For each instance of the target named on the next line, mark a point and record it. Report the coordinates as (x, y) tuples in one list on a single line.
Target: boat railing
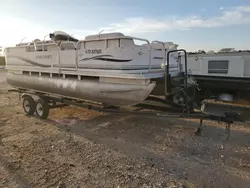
[(149, 49), (42, 44), (164, 61), (163, 50), (74, 48), (67, 42), (78, 45)]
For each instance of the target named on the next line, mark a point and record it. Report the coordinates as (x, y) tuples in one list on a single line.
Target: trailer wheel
[(28, 105), (179, 99), (42, 108)]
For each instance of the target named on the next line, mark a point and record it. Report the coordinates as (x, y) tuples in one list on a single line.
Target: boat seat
[(68, 46), (40, 48)]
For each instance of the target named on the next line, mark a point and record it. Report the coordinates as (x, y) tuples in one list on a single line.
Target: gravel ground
[(80, 148)]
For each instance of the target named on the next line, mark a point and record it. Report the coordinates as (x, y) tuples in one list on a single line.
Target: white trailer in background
[(223, 74)]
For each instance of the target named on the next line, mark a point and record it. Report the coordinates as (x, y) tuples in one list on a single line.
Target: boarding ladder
[(176, 88)]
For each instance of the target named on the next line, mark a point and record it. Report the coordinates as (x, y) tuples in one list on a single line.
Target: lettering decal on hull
[(94, 51), (44, 57), (105, 58), (31, 62), (158, 57)]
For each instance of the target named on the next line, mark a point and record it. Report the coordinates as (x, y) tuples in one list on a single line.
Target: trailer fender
[(23, 95)]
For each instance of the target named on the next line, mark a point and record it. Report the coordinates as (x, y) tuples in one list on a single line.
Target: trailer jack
[(229, 118)]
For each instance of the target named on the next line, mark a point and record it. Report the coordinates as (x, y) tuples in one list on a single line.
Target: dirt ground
[(80, 148)]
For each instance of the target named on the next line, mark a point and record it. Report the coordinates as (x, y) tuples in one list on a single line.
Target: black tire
[(179, 99), (42, 108), (29, 105)]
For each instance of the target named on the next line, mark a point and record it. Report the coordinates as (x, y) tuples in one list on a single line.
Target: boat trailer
[(40, 104)]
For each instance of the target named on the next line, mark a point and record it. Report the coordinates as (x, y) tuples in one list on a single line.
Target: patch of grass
[(2, 61)]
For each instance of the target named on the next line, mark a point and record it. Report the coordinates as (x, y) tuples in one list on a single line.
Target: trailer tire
[(179, 99), (29, 105), (42, 108)]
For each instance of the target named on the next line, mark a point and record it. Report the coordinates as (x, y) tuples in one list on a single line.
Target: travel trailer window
[(218, 66)]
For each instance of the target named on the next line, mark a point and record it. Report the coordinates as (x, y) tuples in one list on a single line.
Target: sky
[(193, 24)]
